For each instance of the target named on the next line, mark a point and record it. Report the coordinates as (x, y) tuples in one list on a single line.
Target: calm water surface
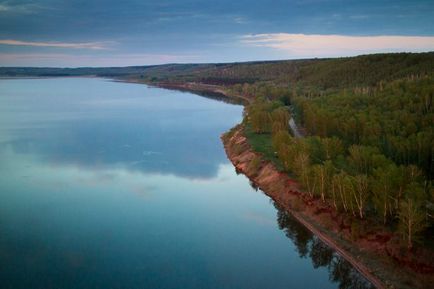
[(114, 185)]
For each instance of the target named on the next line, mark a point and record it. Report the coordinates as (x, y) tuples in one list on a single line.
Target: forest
[(368, 151)]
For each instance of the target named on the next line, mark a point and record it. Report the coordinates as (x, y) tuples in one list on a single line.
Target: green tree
[(412, 215), (280, 138), (261, 121), (360, 193), (332, 147), (322, 175), (280, 119), (383, 183), (341, 191), (303, 170)]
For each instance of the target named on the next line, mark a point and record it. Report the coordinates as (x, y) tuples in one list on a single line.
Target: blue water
[(113, 185)]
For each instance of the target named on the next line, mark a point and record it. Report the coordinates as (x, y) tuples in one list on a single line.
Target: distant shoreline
[(193, 87)]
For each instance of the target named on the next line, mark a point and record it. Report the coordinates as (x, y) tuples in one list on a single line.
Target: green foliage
[(412, 219), (261, 121), (360, 191), (280, 118), (262, 144), (322, 176), (345, 165), (281, 138), (397, 118), (259, 115)]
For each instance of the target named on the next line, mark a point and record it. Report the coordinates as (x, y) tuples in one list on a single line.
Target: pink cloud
[(79, 45), (302, 45)]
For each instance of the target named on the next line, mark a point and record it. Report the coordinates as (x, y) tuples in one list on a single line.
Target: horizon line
[(228, 62)]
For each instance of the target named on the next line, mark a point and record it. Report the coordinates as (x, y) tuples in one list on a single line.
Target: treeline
[(353, 165), (316, 75)]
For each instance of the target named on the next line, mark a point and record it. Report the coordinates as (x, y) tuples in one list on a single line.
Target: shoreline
[(369, 260), (213, 91)]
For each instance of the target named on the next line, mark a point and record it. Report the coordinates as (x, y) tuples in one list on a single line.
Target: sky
[(72, 33)]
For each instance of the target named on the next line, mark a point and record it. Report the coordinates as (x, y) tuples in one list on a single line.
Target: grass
[(261, 143)]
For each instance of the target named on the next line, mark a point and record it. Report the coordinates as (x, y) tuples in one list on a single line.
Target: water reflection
[(309, 245), (97, 123)]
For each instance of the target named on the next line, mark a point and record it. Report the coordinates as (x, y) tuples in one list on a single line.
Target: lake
[(106, 184)]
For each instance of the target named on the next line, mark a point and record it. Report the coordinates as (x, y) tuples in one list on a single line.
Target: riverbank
[(208, 90), (372, 253)]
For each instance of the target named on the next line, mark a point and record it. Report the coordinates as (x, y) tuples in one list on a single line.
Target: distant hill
[(365, 70)]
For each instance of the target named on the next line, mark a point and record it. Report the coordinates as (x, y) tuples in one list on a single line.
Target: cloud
[(80, 45), (360, 17), (20, 8), (240, 20), (302, 45)]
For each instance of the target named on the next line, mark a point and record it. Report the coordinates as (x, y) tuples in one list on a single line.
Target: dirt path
[(294, 128)]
